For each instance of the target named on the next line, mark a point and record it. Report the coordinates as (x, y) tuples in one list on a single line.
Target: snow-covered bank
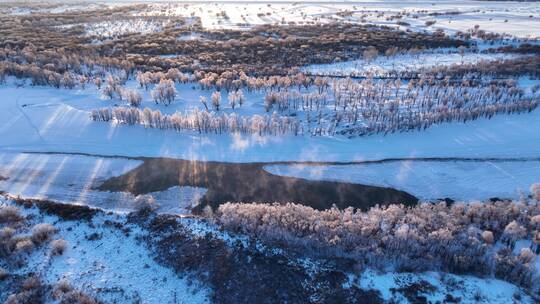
[(430, 180), (72, 178), (105, 259), (44, 119)]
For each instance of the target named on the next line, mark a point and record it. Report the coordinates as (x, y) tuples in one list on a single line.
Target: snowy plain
[(467, 289), (521, 19), (403, 63), (44, 119)]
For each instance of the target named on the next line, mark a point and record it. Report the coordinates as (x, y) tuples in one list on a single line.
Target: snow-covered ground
[(56, 8), (430, 180), (521, 19), (465, 289), (72, 178), (104, 260), (46, 119)]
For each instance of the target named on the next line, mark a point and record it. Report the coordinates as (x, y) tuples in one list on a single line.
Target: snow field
[(520, 19), (44, 119)]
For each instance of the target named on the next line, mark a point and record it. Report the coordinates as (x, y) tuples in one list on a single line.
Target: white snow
[(521, 19), (43, 119), (430, 180)]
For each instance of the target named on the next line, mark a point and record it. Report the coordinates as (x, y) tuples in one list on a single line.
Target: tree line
[(464, 238)]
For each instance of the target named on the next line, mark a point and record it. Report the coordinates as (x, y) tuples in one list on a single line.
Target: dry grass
[(10, 214), (24, 245), (42, 232)]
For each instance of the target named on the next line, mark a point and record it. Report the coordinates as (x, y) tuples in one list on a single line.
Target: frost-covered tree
[(233, 99), (133, 97), (98, 82), (535, 191), (164, 92), (204, 101), (370, 54), (216, 100), (68, 80), (464, 238), (241, 97)]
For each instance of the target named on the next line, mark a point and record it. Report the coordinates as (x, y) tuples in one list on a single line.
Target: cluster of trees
[(356, 108), (474, 238), (389, 106), (201, 121), (235, 80), (164, 92), (271, 49), (41, 76), (286, 100), (529, 65), (236, 98), (146, 78), (369, 106)]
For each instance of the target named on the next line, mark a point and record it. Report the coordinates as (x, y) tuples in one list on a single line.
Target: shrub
[(133, 97), (60, 289), (32, 291), (487, 236), (42, 232), (58, 247), (10, 214), (65, 293), (6, 233), (24, 245), (164, 92)]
